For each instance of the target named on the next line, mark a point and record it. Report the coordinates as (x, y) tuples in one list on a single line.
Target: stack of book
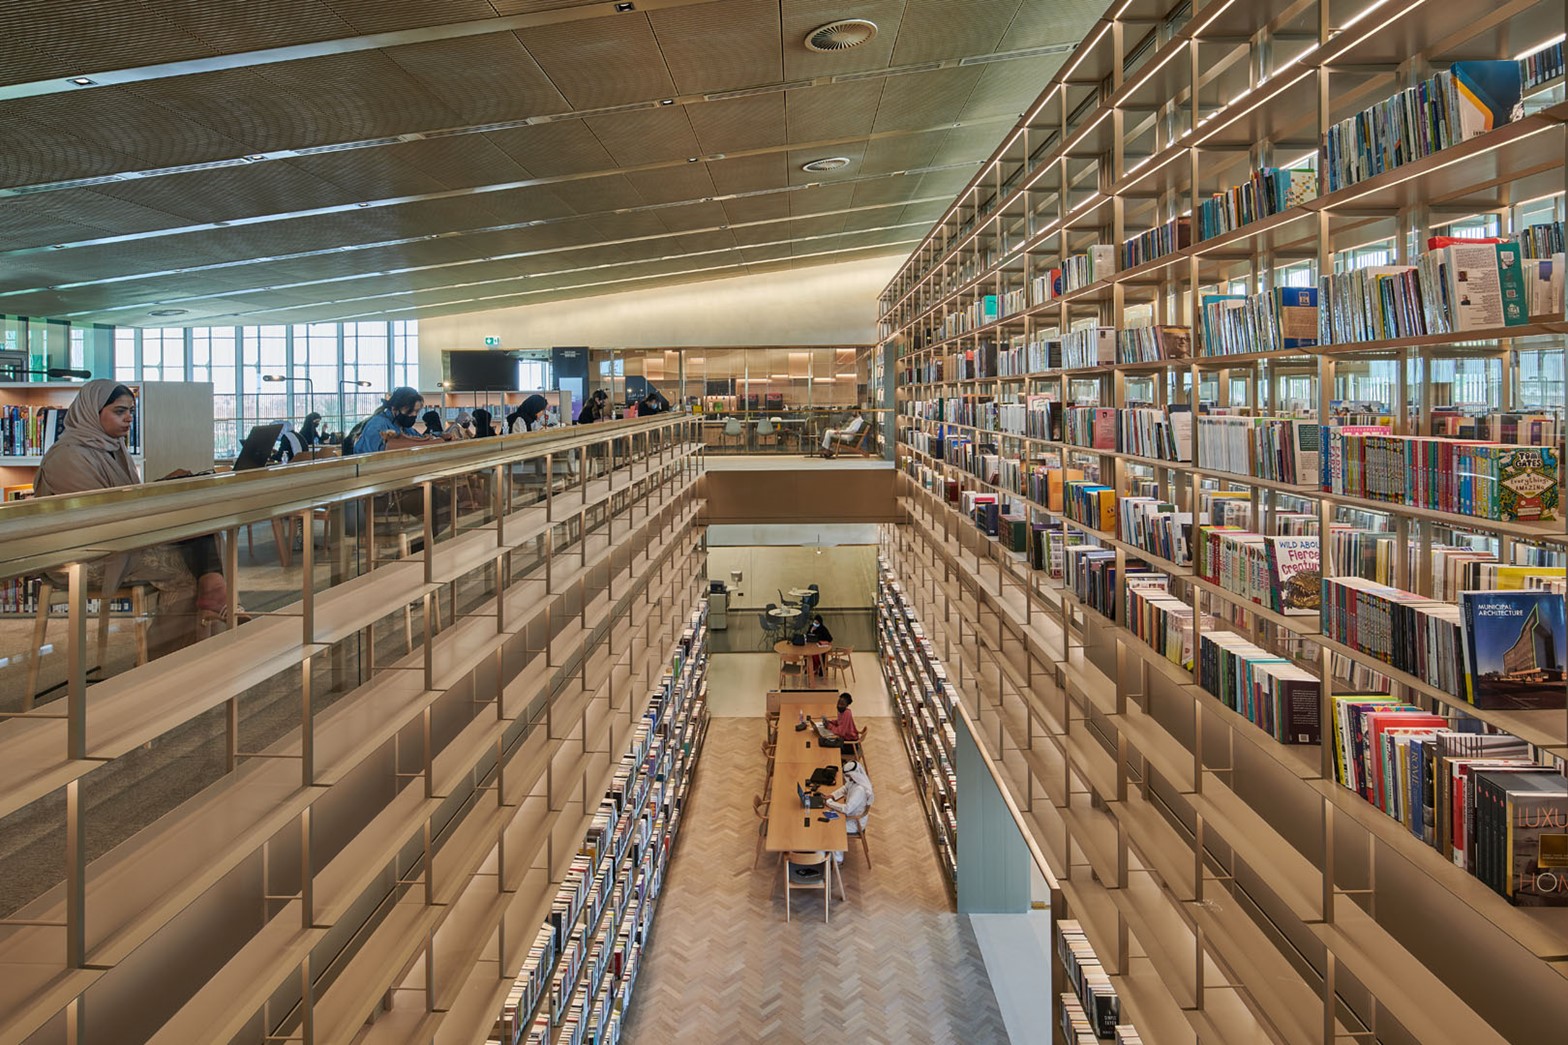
[(1150, 344), (1232, 324), (1486, 480), (1090, 983), (1089, 347), (1465, 101), (1268, 191), (1275, 694), (1280, 449), (1157, 242)]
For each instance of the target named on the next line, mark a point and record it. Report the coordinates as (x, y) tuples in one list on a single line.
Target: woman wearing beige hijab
[(90, 454)]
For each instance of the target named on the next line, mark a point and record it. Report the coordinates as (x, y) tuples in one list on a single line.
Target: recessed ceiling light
[(841, 36), (82, 81), (828, 163), (624, 6), (256, 158), (691, 159), (161, 312), (361, 204), (667, 101), (57, 246)]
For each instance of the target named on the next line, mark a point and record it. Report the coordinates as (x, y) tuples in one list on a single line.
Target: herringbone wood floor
[(895, 965)]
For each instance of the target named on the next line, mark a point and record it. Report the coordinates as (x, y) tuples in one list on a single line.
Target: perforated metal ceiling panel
[(446, 156)]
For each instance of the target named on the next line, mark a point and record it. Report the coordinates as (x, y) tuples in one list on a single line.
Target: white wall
[(820, 305), (846, 575)]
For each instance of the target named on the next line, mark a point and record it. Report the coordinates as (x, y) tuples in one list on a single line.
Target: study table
[(796, 757)]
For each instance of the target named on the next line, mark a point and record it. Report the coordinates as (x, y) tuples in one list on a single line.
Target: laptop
[(825, 735), (810, 800), (258, 447)]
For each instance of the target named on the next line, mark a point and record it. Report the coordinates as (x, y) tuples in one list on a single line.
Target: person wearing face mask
[(392, 427)]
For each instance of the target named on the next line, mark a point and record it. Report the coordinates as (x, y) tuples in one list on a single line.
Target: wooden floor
[(895, 965)]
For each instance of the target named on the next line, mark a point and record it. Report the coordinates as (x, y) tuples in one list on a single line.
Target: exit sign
[(492, 342)]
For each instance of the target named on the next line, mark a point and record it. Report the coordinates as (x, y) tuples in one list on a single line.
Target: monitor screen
[(483, 371)]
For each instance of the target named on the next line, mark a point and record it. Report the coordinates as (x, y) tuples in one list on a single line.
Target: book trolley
[(1230, 400)]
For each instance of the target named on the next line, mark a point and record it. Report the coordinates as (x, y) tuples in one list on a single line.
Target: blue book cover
[(1489, 95), (1296, 310), (1514, 648)]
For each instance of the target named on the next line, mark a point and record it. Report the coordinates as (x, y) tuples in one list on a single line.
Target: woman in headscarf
[(853, 798), (310, 431), (432, 421), (90, 454), (482, 427), (532, 415)]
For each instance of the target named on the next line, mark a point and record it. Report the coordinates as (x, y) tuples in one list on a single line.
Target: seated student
[(844, 725), (482, 429), (533, 415), (593, 408), (652, 403), (392, 428), (310, 431), (90, 454), (462, 426), (432, 420), (290, 445), (833, 437), (817, 632), (853, 798)]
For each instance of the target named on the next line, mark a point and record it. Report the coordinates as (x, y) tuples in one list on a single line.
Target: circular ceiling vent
[(831, 163), (841, 36)]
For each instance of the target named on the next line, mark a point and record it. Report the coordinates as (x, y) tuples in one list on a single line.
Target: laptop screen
[(802, 793)]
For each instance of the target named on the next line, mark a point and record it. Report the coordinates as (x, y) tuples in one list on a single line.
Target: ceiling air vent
[(831, 163), (841, 36)]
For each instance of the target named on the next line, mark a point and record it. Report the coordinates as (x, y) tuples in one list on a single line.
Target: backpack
[(353, 436)]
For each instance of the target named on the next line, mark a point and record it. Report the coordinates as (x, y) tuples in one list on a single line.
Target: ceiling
[(275, 161)]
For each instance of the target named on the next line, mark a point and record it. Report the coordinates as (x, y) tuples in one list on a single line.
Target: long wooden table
[(798, 755)]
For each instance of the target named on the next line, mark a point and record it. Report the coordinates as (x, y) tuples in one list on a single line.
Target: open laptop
[(809, 800), (258, 447)]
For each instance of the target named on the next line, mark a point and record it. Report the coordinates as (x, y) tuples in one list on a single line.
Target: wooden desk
[(792, 744), (788, 831)]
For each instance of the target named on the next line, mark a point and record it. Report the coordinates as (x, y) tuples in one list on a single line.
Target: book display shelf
[(576, 983), (923, 700), (1231, 399)]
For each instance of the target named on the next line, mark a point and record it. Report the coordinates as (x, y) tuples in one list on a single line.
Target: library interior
[(473, 474)]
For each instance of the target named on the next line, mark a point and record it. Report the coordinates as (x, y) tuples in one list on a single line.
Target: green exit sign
[(492, 342)]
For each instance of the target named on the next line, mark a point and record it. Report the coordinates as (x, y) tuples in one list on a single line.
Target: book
[(1294, 574), (1514, 644), (1296, 312)]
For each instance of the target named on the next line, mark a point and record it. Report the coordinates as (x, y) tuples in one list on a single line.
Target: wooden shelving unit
[(923, 701), (1236, 890), (378, 865)]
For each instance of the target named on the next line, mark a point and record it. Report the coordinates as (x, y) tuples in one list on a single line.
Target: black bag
[(825, 776)]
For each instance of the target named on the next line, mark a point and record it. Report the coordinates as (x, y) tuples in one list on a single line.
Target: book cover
[(1489, 95), (1514, 644), (1524, 482), (1296, 311), (1294, 575), (1536, 848), (1176, 342), (1510, 284)]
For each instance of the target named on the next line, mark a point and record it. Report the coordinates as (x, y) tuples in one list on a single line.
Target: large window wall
[(276, 373)]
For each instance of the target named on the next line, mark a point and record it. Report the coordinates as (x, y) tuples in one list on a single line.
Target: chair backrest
[(770, 606), (759, 806), (764, 427), (814, 588), (732, 426), (807, 859)]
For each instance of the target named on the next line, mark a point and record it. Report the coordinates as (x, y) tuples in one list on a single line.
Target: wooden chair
[(769, 750), (49, 596), (840, 661), (825, 883), (856, 749), (860, 833), (759, 805), (792, 674)]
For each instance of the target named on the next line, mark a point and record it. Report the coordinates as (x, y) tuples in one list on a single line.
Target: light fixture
[(667, 101), (255, 157), (827, 163), (624, 6), (357, 384), (168, 312), (273, 377), (841, 35), (82, 81), (691, 159)]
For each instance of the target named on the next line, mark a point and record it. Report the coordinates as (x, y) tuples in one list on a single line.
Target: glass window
[(405, 353), (124, 354), (163, 354)]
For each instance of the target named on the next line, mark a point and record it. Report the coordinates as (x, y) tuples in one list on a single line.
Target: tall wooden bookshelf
[(1222, 875)]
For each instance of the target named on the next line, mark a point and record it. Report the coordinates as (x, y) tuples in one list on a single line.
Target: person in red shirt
[(844, 725)]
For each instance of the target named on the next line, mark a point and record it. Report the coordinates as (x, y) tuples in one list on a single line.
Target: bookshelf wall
[(577, 981), (923, 700), (1180, 239)]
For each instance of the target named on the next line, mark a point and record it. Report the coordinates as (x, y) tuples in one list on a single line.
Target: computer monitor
[(802, 793), (258, 447)]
